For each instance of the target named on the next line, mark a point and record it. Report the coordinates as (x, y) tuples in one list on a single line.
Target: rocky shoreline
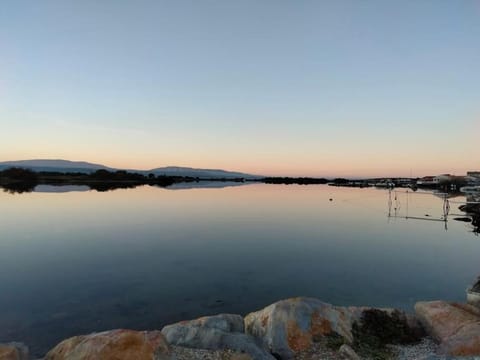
[(296, 328)]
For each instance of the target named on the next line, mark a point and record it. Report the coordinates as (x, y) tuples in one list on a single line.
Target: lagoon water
[(73, 262)]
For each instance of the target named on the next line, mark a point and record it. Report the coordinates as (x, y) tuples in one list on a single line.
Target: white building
[(473, 176)]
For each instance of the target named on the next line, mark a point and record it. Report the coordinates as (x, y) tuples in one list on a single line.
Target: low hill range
[(56, 165), (64, 166), (200, 173)]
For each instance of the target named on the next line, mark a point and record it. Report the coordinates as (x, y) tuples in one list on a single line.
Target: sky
[(271, 87)]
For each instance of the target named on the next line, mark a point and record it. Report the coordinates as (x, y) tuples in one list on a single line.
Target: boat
[(470, 189)]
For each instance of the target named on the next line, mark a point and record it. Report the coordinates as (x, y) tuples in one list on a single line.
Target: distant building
[(473, 177), (437, 180), (427, 181), (446, 179)]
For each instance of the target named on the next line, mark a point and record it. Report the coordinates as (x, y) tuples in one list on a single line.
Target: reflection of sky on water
[(60, 188), (81, 261), (206, 185)]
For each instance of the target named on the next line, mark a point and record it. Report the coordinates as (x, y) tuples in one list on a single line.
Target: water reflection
[(18, 188), (60, 188), (469, 204), (84, 261), (472, 209), (22, 187)]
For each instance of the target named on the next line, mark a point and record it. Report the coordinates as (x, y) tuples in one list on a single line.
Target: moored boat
[(470, 189)]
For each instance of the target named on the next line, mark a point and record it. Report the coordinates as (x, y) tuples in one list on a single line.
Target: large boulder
[(224, 331), (291, 326), (455, 326), (13, 351), (112, 345)]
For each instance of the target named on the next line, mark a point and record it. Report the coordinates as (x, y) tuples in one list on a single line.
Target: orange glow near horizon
[(358, 152), (342, 165)]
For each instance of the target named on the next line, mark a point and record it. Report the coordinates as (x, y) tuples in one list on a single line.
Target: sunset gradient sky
[(274, 87)]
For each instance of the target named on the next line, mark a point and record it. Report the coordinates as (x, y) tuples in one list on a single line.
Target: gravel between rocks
[(425, 350), (183, 353), (318, 352)]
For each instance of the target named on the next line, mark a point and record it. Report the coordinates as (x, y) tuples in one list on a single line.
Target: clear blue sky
[(318, 88)]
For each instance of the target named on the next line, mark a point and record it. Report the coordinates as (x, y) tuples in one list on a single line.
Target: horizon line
[(359, 177)]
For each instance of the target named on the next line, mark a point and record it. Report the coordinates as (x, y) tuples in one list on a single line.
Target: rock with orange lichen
[(455, 326), (13, 351), (224, 331), (291, 326), (112, 345)]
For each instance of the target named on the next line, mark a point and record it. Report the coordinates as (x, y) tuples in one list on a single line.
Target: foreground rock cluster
[(297, 328)]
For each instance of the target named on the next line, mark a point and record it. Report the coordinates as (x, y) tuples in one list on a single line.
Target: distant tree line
[(22, 180), (19, 180)]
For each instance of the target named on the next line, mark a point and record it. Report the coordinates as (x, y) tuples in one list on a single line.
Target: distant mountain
[(201, 173), (54, 165), (86, 167)]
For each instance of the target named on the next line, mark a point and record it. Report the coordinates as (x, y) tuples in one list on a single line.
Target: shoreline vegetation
[(21, 180)]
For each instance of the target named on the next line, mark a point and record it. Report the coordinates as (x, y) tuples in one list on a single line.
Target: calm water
[(76, 262)]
